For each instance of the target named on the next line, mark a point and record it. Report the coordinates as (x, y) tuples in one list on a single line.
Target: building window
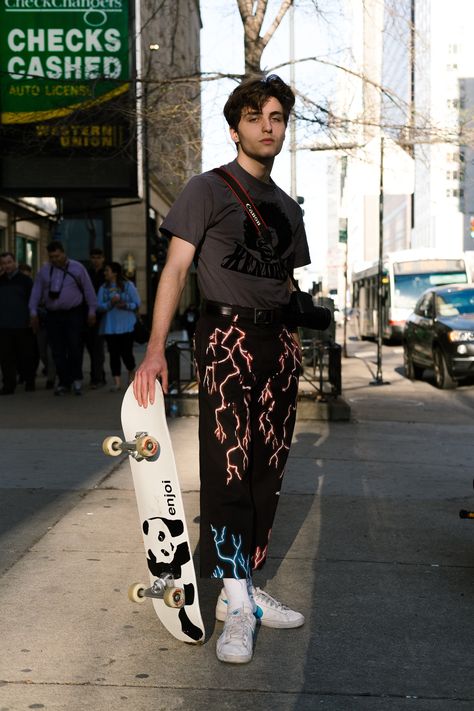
[(26, 251), (455, 192)]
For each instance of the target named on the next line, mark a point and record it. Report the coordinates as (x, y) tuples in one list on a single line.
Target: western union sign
[(65, 82)]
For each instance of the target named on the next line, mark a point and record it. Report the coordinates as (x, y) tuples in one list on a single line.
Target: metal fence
[(181, 367), (321, 367)]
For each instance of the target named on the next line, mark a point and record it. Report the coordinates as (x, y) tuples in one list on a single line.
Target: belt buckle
[(262, 316)]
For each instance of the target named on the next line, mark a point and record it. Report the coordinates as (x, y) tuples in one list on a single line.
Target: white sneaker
[(270, 612), (235, 645)]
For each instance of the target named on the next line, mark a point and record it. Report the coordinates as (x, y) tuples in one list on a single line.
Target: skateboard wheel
[(111, 446), (147, 446), (174, 597), (135, 592)]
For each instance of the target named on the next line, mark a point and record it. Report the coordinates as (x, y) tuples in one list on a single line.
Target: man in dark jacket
[(17, 345)]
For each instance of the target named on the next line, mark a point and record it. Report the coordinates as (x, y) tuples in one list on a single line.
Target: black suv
[(439, 334)]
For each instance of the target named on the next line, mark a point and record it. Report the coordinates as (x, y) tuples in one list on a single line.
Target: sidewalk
[(366, 544)]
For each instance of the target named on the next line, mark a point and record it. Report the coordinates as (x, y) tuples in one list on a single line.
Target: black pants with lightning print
[(248, 385)]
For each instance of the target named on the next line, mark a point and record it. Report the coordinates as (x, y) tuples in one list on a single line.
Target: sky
[(222, 49)]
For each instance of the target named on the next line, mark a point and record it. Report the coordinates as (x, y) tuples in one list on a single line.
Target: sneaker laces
[(270, 601), (237, 626)]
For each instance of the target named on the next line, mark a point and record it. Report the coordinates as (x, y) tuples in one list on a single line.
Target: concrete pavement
[(367, 544)]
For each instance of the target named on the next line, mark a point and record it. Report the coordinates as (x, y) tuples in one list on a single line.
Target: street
[(367, 543)]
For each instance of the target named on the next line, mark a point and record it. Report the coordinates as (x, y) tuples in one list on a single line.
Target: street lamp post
[(147, 186), (378, 380), (292, 115), (146, 176)]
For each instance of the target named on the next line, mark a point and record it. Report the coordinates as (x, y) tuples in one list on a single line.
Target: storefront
[(26, 227)]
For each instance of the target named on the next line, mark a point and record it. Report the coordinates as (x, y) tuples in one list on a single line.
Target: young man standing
[(248, 360)]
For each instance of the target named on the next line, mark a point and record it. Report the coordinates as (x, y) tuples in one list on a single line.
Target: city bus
[(406, 274)]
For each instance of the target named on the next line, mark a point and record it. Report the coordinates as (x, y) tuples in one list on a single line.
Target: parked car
[(439, 334)]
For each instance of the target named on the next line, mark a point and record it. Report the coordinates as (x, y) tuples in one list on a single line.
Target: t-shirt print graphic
[(255, 255)]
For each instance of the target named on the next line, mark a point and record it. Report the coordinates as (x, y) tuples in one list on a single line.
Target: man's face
[(8, 265), (260, 135), (57, 258), (97, 261)]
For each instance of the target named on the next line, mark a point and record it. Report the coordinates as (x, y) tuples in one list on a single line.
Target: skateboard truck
[(163, 588), (144, 446)]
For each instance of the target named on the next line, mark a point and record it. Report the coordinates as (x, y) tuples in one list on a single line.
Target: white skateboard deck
[(161, 513)]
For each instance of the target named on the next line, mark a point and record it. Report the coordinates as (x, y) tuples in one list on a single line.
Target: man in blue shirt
[(64, 288)]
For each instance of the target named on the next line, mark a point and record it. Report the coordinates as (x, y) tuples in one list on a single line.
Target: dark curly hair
[(252, 94)]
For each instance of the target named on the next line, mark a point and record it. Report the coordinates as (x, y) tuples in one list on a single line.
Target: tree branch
[(285, 5)]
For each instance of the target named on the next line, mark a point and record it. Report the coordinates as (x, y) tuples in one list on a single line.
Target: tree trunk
[(253, 14)]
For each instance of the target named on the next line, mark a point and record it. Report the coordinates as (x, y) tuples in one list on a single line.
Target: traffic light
[(300, 201)]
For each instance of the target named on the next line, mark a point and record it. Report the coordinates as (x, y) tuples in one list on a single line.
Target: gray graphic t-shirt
[(234, 265)]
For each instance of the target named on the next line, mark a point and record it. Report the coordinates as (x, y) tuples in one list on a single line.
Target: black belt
[(261, 317)]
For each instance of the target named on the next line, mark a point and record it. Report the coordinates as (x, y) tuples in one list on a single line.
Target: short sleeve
[(191, 213)]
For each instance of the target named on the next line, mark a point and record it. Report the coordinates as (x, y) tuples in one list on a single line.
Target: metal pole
[(344, 340), (149, 237), (379, 377), (146, 175), (292, 116)]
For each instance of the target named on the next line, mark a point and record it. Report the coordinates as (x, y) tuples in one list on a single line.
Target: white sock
[(250, 589), (237, 594)]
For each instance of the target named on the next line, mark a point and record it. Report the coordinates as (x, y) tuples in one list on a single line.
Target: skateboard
[(173, 588)]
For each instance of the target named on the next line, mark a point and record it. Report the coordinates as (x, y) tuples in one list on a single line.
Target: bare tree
[(253, 15)]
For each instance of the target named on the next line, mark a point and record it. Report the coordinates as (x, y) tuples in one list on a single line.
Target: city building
[(168, 120), (405, 108), (355, 125)]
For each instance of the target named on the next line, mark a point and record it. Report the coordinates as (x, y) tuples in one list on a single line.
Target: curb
[(309, 407)]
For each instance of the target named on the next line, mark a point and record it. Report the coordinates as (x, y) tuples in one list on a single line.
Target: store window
[(79, 236), (26, 251)]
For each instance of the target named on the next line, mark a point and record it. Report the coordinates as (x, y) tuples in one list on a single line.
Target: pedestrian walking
[(65, 289), (248, 358), (118, 300), (17, 342), (94, 341)]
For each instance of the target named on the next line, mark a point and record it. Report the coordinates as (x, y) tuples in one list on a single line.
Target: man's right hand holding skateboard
[(170, 287), (153, 366)]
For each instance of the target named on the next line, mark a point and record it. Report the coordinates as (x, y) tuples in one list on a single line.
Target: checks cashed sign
[(67, 94)]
